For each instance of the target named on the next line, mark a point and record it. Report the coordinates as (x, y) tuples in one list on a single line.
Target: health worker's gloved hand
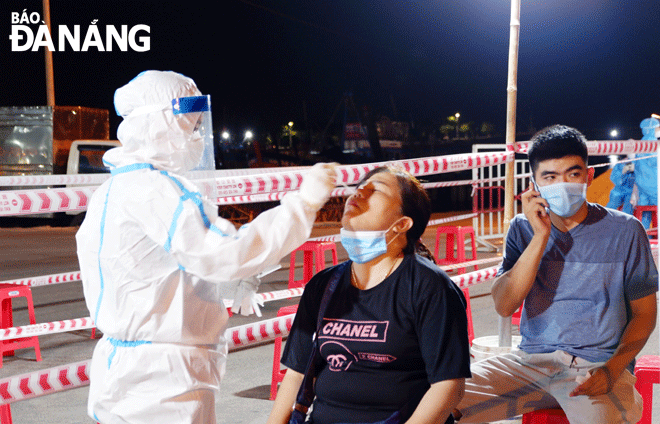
[(246, 299), (318, 184)]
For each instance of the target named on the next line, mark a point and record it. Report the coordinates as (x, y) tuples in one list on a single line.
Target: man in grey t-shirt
[(588, 282)]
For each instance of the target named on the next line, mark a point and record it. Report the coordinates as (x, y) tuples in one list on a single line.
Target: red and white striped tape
[(53, 180), (46, 328), (244, 335), (475, 277), (69, 376), (27, 202), (471, 263), (45, 280), (48, 381), (44, 382), (605, 147), (98, 179), (271, 197)]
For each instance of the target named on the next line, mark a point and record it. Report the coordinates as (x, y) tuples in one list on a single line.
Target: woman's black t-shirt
[(381, 347)]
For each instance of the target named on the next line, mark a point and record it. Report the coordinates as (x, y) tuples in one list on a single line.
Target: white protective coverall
[(156, 262)]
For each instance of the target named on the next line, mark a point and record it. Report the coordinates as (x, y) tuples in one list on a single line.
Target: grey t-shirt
[(579, 302)]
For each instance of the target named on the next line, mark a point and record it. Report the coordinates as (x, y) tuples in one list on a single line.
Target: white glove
[(246, 299), (318, 184)]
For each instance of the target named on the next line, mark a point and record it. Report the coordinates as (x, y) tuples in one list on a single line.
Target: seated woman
[(393, 341)]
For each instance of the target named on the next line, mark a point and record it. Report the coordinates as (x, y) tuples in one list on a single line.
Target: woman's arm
[(438, 402), (286, 398)]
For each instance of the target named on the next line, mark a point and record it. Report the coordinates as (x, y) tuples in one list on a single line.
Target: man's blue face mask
[(564, 199)]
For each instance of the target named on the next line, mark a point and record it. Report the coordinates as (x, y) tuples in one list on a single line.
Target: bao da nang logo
[(25, 36)]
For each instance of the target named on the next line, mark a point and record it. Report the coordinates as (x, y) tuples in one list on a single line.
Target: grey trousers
[(508, 385)]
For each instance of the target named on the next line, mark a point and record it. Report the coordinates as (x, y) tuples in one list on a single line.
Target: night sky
[(592, 64)]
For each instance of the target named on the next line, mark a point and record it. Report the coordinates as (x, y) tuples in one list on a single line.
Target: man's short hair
[(556, 142)]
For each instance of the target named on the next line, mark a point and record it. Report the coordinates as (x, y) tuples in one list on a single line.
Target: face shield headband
[(203, 128)]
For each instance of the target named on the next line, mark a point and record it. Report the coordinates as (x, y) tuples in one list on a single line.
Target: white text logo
[(77, 39)]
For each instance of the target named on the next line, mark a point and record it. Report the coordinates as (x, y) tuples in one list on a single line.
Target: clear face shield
[(197, 110)]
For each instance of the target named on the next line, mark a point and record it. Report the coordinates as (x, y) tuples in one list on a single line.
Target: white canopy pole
[(511, 99)]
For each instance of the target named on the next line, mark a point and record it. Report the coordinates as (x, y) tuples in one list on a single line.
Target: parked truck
[(58, 140)]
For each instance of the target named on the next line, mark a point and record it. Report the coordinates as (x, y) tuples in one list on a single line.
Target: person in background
[(393, 341), (157, 261), (646, 171), (588, 281)]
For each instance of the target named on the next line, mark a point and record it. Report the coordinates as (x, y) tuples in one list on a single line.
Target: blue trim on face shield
[(102, 231), (122, 343), (196, 198), (191, 104)]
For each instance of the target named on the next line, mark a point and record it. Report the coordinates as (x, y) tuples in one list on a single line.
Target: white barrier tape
[(56, 379), (605, 147), (449, 164), (470, 263), (270, 197), (27, 202), (271, 296), (98, 179), (46, 328), (24, 202), (53, 180), (451, 218), (240, 335), (475, 277), (44, 382), (45, 280), (351, 174), (48, 381), (244, 335)]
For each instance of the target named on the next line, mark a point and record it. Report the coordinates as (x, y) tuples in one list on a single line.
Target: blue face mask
[(364, 246), (564, 199)]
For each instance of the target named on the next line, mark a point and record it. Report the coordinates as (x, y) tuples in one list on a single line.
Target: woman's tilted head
[(383, 197)]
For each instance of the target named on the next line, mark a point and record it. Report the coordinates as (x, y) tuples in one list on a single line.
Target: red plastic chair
[(313, 260), (455, 239), (647, 371), (278, 373), (8, 292)]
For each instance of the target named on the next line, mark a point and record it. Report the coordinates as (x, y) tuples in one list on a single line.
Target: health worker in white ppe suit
[(156, 260)]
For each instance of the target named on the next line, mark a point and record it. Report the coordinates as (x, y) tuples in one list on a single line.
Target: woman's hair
[(556, 142), (415, 204)]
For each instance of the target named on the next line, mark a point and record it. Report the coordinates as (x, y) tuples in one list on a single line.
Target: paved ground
[(245, 389)]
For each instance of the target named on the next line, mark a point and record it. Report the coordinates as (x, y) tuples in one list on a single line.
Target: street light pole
[(457, 115), (290, 129)]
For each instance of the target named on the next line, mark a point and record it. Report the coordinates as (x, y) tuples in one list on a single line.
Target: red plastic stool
[(278, 373), (5, 414), (313, 260), (468, 311), (7, 293), (639, 211), (545, 416), (515, 318), (647, 371), (456, 237)]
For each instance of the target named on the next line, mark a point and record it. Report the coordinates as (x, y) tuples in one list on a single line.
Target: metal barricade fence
[(488, 195)]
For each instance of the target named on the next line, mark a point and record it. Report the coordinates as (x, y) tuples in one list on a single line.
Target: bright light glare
[(458, 115), (290, 123), (225, 135), (248, 134), (614, 133)]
